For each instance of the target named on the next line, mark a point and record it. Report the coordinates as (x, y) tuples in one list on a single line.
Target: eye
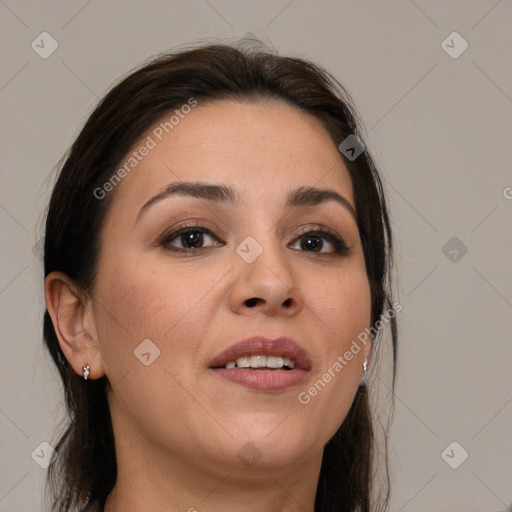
[(314, 240), (189, 239), (194, 238)]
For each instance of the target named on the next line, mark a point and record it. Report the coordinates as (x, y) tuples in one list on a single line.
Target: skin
[(178, 426)]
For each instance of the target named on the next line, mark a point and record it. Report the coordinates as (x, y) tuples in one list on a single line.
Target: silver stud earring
[(365, 374), (85, 370)]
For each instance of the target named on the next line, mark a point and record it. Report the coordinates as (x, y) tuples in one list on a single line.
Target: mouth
[(263, 364)]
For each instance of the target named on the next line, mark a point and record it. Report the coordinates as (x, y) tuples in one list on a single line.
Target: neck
[(161, 483)]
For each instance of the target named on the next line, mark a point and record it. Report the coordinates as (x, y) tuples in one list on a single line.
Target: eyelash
[(324, 233)]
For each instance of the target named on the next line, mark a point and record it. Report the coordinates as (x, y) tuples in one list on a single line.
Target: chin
[(272, 446)]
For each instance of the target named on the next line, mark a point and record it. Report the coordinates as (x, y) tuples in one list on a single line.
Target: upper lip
[(259, 345)]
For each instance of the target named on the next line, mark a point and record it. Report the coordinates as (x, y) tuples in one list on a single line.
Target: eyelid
[(196, 223), (317, 227)]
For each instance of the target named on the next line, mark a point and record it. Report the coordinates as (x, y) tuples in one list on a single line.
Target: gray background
[(439, 129)]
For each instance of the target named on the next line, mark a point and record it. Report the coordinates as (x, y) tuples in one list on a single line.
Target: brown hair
[(85, 470)]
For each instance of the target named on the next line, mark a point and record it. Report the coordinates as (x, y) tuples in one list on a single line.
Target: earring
[(365, 374), (85, 370)]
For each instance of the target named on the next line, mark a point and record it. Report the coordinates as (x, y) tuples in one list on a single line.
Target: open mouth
[(261, 362)]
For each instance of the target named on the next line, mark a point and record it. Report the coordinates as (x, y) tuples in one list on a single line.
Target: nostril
[(252, 302), (287, 303)]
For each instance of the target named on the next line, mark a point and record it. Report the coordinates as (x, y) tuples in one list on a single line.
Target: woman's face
[(167, 305)]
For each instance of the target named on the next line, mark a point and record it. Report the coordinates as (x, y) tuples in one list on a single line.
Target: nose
[(267, 285)]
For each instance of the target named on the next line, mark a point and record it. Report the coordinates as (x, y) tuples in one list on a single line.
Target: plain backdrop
[(438, 121)]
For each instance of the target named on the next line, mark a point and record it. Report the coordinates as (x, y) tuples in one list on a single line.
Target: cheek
[(139, 303), (343, 306), (342, 311)]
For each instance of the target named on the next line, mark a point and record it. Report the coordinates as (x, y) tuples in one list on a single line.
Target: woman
[(217, 255)]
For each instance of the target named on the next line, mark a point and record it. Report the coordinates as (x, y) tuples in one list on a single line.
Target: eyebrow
[(303, 196)]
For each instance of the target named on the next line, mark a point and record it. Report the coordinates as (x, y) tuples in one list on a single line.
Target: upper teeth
[(261, 362)]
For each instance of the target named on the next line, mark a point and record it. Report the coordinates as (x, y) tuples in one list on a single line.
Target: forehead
[(259, 148)]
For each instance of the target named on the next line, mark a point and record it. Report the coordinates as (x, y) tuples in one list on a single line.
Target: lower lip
[(263, 380)]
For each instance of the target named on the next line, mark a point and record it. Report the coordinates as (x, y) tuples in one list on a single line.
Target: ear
[(74, 323)]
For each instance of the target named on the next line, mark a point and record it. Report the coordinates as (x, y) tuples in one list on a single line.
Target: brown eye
[(189, 239), (316, 240), (312, 243)]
